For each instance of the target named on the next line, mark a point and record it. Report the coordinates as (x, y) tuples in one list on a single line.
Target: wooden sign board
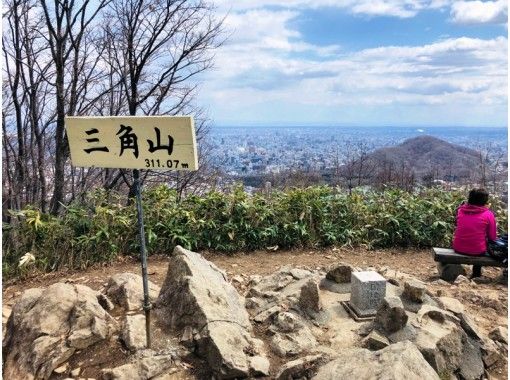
[(133, 142)]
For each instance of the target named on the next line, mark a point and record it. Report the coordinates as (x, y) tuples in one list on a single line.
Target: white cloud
[(479, 12), (393, 8), (267, 72)]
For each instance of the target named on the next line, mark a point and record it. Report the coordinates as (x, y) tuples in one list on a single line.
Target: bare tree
[(492, 167), (358, 166), (58, 62), (27, 103), (67, 26)]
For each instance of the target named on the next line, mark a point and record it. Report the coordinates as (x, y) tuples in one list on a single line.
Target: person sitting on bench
[(475, 227)]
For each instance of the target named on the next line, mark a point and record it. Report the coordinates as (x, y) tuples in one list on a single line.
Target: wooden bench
[(449, 263)]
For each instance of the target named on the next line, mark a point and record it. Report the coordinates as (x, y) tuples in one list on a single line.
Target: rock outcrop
[(397, 361), (340, 273), (48, 325), (391, 315), (133, 332), (126, 290), (143, 368), (197, 295)]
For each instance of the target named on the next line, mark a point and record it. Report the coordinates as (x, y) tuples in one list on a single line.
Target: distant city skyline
[(379, 63), (264, 150)]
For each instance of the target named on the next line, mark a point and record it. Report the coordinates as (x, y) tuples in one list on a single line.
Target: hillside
[(427, 154)]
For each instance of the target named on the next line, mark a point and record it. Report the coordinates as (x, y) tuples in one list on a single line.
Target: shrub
[(101, 228)]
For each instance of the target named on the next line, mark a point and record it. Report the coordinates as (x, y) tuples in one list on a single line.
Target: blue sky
[(360, 62)]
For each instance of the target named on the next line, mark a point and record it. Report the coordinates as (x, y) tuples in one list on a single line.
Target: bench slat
[(448, 256)]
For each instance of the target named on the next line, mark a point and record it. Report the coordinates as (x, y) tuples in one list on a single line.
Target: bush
[(101, 228)]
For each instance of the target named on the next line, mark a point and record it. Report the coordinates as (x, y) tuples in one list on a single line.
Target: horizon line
[(354, 126)]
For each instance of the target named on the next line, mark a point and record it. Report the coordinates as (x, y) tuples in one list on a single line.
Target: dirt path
[(487, 303)]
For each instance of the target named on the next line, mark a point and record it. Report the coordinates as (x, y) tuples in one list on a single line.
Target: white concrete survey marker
[(368, 289)]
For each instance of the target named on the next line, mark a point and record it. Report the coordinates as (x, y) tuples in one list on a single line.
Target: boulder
[(285, 284), (375, 341), (340, 273), (499, 334), (300, 368), (471, 365), (300, 274), (75, 372), (365, 329), (414, 307), (197, 294), (451, 304), (414, 290), (309, 298), (274, 282), (287, 322), (408, 332), (441, 344), (294, 343), (126, 290), (254, 303), (492, 355), (141, 368), (449, 272), (391, 315), (48, 325), (397, 361), (470, 327), (105, 302), (332, 286), (259, 366), (461, 279), (435, 313), (133, 333), (266, 314)]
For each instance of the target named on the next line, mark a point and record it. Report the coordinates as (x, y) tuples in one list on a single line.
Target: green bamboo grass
[(102, 227)]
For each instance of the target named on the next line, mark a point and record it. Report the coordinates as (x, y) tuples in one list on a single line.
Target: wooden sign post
[(134, 142)]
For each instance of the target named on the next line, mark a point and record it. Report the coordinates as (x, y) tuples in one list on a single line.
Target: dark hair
[(478, 197)]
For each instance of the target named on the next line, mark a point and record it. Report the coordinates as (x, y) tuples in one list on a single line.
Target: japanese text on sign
[(133, 142)]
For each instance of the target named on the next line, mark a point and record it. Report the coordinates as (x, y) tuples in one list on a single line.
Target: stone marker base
[(352, 312)]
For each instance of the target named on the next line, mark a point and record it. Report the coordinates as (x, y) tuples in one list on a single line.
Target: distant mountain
[(426, 154)]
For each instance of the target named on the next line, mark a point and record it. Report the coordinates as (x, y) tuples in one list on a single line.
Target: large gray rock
[(470, 327), (287, 322), (471, 365), (340, 273), (436, 313), (294, 343), (266, 314), (309, 298), (141, 368), (391, 315), (126, 290), (441, 343), (133, 333), (492, 355), (259, 366), (451, 304), (300, 368), (282, 285), (375, 341), (499, 334), (48, 325), (197, 294), (414, 290), (401, 361)]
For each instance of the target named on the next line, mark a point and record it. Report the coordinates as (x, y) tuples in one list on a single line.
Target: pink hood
[(475, 224)]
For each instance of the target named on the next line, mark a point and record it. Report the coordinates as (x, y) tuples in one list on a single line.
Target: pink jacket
[(475, 224)]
